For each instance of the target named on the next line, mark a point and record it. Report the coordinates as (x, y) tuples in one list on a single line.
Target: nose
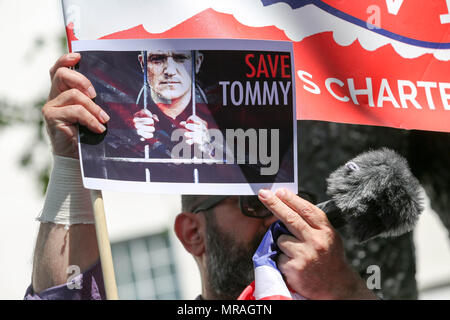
[(170, 67)]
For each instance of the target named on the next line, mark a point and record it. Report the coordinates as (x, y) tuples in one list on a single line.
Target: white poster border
[(191, 44)]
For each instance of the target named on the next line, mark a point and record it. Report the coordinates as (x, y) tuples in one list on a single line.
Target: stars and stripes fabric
[(269, 283)]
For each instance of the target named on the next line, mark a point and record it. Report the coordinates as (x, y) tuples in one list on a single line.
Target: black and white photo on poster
[(191, 116)]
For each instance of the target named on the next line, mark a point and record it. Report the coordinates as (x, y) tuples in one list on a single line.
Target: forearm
[(67, 234), (58, 248)]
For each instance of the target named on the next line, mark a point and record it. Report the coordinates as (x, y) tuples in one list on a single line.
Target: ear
[(198, 62), (189, 228), (141, 61)]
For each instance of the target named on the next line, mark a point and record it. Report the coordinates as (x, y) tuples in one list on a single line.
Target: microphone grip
[(334, 214)]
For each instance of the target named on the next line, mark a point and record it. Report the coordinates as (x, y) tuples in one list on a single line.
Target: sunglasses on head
[(250, 206)]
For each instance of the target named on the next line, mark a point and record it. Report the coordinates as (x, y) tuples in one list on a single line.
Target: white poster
[(198, 116)]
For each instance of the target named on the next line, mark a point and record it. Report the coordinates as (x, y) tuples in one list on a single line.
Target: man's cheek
[(185, 73), (151, 76), (187, 66)]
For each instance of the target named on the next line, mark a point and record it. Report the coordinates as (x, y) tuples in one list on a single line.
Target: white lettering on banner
[(445, 96), (427, 86), (253, 95), (384, 87), (314, 89), (393, 6), (328, 83), (445, 18), (354, 92), (406, 95)]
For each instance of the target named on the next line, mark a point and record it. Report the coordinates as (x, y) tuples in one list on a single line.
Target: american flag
[(269, 283)]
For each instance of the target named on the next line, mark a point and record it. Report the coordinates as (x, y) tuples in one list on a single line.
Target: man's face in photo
[(169, 73)]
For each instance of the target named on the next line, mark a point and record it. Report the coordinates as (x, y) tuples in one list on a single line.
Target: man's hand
[(69, 103), (144, 123), (313, 260), (197, 133)]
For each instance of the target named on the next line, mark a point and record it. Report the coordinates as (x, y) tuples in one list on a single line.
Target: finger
[(144, 113), (196, 137), (193, 134), (197, 120), (292, 220), (73, 114), (144, 121), (315, 217), (145, 128), (66, 61), (289, 245), (75, 97), (283, 263), (66, 79), (194, 127), (145, 134)]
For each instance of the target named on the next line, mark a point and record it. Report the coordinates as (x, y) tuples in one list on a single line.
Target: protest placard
[(206, 116)]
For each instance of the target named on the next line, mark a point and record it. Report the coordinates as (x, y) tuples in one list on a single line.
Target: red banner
[(377, 62)]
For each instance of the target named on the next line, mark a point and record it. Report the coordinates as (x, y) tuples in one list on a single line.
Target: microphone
[(374, 194)]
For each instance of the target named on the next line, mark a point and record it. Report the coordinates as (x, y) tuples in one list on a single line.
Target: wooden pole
[(104, 246)]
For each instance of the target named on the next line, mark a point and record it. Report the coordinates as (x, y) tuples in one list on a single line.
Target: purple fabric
[(90, 283)]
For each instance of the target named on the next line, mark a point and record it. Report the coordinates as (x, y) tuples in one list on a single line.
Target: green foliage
[(11, 114), (8, 114)]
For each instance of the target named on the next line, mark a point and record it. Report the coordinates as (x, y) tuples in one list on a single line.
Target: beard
[(229, 266)]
